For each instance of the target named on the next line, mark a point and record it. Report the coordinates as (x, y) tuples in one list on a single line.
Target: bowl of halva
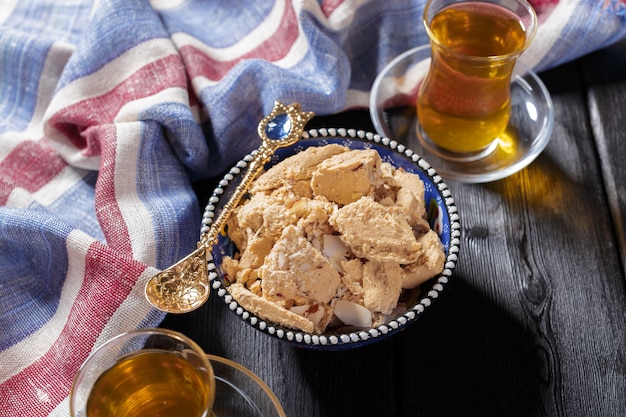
[(344, 239)]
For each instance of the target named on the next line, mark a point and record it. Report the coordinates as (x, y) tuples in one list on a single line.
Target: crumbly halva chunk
[(410, 199), (382, 284), (330, 224), (298, 167), (295, 270), (429, 264), (269, 310), (375, 232), (348, 176)]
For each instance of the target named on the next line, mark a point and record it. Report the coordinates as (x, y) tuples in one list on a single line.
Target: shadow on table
[(464, 357)]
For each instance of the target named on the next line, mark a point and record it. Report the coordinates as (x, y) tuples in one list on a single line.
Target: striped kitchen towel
[(110, 110)]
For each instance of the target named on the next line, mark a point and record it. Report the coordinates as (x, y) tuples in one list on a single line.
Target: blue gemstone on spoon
[(279, 127)]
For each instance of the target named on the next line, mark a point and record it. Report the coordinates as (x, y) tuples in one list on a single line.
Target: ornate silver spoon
[(184, 286)]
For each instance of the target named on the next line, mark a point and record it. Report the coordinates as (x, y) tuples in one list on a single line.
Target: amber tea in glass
[(147, 372), (464, 103)]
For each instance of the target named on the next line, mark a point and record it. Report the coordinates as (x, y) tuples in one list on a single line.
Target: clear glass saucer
[(239, 392), (393, 113)]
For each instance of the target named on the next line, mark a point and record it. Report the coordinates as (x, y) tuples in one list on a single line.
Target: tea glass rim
[(147, 332), (530, 34)]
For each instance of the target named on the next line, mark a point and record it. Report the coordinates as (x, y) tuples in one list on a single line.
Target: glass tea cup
[(464, 103), (144, 372)]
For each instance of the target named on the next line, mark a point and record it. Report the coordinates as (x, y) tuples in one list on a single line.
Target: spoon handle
[(274, 134), (262, 155)]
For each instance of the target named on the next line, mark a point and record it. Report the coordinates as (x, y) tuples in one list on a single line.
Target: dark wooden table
[(533, 322)]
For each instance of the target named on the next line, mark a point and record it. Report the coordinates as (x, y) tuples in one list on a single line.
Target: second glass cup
[(145, 372), (464, 103)]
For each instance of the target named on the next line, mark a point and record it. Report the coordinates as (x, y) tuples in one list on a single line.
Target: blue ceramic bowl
[(442, 216)]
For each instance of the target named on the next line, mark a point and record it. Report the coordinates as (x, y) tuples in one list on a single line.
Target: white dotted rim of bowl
[(338, 340)]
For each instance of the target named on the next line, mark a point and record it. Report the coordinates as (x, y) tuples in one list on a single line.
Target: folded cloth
[(111, 110)]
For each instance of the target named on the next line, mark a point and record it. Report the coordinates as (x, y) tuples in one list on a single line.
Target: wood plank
[(605, 74)]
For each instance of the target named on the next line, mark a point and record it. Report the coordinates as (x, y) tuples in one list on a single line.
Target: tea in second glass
[(464, 103)]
